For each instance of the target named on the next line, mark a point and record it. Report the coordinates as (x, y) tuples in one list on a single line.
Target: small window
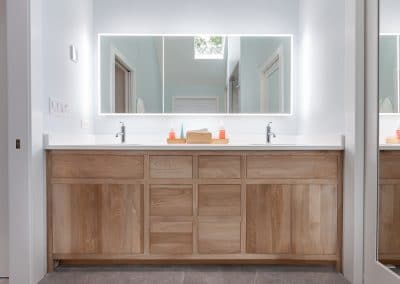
[(209, 47)]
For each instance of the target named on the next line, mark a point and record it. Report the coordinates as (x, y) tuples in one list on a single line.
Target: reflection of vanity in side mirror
[(389, 208), (195, 74)]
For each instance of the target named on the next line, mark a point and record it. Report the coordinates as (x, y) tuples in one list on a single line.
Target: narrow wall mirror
[(216, 74), (388, 234)]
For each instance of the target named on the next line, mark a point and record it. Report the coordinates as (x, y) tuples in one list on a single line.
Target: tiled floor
[(195, 274)]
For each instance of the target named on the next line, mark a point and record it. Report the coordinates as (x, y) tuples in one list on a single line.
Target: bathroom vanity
[(223, 205)]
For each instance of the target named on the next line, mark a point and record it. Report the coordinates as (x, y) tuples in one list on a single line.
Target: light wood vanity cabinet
[(199, 206)]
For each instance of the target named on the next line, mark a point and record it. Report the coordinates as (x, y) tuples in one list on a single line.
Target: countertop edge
[(198, 147)]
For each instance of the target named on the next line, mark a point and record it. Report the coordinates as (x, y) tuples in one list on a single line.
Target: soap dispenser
[(221, 131)]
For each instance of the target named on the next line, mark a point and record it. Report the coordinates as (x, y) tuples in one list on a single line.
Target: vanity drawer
[(219, 167), (292, 167), (171, 237), (97, 165), (171, 200), (219, 200), (219, 237), (171, 167)]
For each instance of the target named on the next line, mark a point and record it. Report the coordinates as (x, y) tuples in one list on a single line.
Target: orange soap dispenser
[(221, 131)]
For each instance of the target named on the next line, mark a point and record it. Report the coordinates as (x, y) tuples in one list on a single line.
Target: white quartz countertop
[(256, 143), (389, 147)]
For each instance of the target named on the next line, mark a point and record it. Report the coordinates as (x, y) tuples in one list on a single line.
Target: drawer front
[(219, 200), (171, 200), (171, 237), (219, 167), (171, 167), (69, 165), (219, 237), (292, 167)]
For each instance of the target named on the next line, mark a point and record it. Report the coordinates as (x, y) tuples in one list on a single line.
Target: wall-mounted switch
[(73, 53), (58, 107), (18, 144)]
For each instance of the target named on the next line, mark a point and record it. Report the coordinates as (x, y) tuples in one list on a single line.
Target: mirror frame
[(98, 78)]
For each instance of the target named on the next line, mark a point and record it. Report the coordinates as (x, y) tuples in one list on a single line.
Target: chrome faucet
[(269, 133), (122, 133)]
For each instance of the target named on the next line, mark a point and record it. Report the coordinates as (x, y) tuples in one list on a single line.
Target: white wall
[(256, 16), (3, 145), (65, 23), (353, 195), (37, 156), (322, 57), (389, 21)]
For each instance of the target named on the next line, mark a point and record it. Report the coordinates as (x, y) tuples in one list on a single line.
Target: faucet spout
[(122, 133), (269, 134)]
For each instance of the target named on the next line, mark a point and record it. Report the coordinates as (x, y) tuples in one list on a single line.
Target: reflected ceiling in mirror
[(195, 74)]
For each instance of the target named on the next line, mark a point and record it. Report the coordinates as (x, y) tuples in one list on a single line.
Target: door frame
[(275, 61), (130, 98), (374, 271)]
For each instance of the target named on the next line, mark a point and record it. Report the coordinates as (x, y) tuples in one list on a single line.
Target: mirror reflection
[(195, 74), (389, 132)]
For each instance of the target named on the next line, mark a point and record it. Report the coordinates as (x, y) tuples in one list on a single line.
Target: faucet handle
[(122, 123)]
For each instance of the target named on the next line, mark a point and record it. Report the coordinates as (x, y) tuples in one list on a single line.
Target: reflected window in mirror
[(216, 74)]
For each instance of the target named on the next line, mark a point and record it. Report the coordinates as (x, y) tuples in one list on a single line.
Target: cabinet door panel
[(389, 221), (169, 237), (171, 200), (314, 219), (219, 200), (75, 219), (219, 237), (122, 219), (268, 218)]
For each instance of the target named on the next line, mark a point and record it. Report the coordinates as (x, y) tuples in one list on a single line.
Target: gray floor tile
[(195, 274)]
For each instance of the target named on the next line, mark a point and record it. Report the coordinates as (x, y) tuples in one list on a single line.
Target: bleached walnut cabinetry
[(194, 207)]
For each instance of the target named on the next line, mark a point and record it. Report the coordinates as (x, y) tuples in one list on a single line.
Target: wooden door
[(219, 209), (268, 219), (171, 221), (389, 223), (97, 219), (314, 223), (75, 219), (121, 212)]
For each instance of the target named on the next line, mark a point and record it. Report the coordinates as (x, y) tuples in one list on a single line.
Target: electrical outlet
[(85, 124)]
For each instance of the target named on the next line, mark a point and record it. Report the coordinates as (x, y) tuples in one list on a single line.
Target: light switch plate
[(58, 107), (73, 53)]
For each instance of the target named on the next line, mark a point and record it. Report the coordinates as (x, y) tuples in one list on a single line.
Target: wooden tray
[(176, 141), (220, 141), (392, 140)]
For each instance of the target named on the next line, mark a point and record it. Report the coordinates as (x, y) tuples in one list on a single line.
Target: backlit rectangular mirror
[(215, 74)]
